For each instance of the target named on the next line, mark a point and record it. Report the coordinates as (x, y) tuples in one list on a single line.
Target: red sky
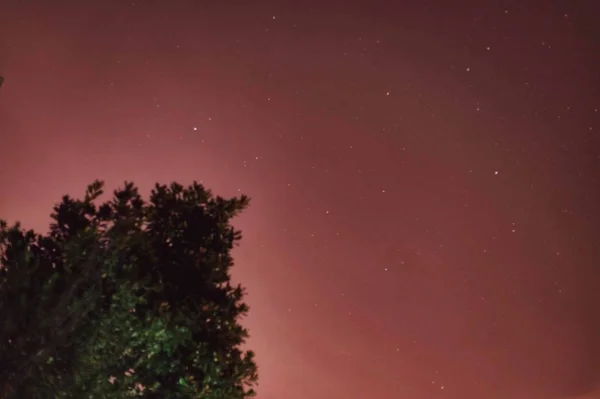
[(424, 177)]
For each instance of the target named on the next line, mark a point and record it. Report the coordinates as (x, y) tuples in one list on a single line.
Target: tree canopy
[(125, 298)]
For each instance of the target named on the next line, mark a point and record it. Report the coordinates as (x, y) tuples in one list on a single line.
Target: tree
[(126, 298)]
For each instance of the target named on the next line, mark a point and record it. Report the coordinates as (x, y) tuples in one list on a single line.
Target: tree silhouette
[(126, 298)]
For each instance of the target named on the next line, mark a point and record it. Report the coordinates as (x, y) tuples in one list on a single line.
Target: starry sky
[(424, 174)]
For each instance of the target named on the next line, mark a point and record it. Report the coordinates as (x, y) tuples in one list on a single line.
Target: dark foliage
[(125, 299)]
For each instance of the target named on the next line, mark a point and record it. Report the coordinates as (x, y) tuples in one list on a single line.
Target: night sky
[(425, 176)]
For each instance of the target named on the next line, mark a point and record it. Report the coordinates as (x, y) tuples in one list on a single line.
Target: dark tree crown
[(125, 298)]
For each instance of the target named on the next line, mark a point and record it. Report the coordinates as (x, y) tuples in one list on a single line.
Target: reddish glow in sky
[(425, 178)]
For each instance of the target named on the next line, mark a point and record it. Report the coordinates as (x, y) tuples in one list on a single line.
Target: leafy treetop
[(126, 298)]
